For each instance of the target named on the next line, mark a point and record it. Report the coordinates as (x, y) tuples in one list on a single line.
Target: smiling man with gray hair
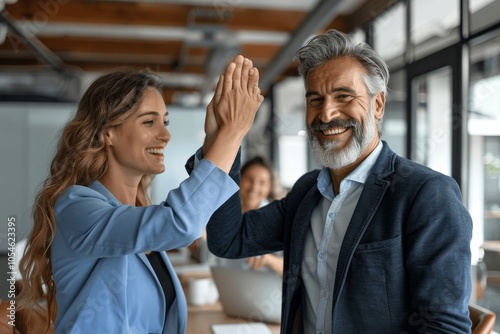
[(373, 242)]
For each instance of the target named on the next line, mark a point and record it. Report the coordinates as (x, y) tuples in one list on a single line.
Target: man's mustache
[(318, 125)]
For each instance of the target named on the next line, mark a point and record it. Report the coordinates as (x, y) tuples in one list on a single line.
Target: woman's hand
[(211, 125), (240, 98), (270, 260), (257, 262), (231, 112)]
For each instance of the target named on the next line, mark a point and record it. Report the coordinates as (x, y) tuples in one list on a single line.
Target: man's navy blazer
[(404, 264)]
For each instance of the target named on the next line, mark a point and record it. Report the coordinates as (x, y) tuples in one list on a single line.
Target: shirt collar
[(360, 174)]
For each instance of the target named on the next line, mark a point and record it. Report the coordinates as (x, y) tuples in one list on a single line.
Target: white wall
[(186, 128), (28, 134), (28, 137)]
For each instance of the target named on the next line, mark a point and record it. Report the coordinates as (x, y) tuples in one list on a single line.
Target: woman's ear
[(379, 105), (108, 136)]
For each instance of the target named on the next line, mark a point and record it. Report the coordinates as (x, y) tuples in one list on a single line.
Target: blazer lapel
[(144, 259), (300, 226)]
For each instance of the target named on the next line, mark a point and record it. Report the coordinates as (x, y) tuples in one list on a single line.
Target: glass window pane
[(483, 127), (433, 96), (491, 188), (394, 128), (292, 158), (290, 125), (434, 25), (485, 82), (359, 35), (390, 33), (483, 13)]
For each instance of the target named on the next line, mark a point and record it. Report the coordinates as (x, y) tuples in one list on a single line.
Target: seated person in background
[(256, 188)]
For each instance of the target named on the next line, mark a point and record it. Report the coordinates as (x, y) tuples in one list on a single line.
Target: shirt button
[(324, 293), (321, 256), (330, 215)]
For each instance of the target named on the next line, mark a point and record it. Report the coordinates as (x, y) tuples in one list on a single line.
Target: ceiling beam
[(41, 51)]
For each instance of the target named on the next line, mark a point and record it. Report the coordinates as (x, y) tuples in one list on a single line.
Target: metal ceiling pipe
[(42, 52), (319, 17)]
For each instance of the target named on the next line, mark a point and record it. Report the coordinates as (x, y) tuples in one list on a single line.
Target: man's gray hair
[(334, 44)]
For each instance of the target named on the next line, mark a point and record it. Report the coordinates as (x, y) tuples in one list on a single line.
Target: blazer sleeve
[(231, 234), (94, 226), (438, 259)]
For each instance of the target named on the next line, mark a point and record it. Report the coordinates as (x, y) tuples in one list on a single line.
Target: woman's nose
[(164, 134)]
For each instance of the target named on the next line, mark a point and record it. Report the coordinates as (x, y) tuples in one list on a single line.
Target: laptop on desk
[(250, 294)]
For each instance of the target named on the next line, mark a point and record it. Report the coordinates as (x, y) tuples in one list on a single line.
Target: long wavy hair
[(80, 159)]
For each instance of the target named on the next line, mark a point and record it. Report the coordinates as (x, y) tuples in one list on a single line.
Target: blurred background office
[(443, 107)]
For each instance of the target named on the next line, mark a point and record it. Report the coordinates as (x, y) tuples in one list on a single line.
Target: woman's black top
[(163, 276)]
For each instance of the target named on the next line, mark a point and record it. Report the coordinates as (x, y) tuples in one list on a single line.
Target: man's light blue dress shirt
[(329, 223)]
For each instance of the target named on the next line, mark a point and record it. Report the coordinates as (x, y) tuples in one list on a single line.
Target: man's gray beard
[(331, 156)]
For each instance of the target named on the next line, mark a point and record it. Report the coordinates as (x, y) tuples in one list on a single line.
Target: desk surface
[(492, 245), (492, 214), (200, 318)]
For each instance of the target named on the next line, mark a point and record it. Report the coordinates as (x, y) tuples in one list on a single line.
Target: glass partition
[(390, 34), (433, 119), (483, 126), (394, 129), (483, 13), (434, 25)]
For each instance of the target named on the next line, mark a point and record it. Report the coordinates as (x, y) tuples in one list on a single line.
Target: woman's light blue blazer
[(104, 282)]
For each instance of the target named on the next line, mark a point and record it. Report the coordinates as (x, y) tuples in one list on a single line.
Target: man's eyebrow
[(335, 90), (343, 89), (311, 93)]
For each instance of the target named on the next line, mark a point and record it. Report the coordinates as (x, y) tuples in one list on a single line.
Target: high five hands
[(231, 112)]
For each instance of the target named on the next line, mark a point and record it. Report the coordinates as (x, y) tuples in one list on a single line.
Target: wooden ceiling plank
[(95, 45), (149, 14), (97, 12)]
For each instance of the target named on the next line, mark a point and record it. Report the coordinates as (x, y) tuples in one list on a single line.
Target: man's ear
[(379, 105)]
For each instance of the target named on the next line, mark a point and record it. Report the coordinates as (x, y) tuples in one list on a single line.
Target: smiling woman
[(97, 249), (136, 146)]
